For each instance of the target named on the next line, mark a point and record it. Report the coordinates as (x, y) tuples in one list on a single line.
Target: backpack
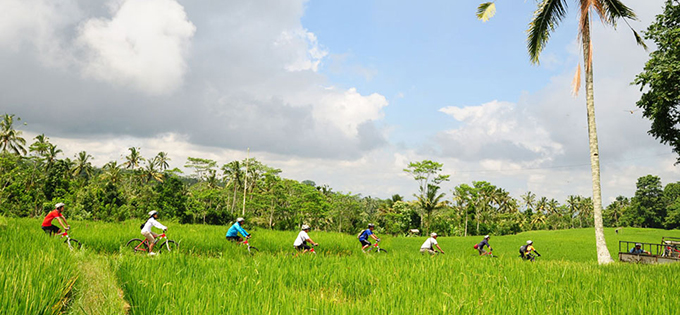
[(476, 246), (522, 250), (141, 227), (360, 234)]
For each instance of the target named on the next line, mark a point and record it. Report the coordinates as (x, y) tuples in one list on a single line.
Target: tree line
[(34, 177)]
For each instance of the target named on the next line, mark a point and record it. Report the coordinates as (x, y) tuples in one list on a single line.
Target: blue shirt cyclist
[(234, 230), (363, 237)]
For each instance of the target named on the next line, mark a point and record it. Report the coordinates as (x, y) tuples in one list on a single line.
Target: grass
[(211, 276)]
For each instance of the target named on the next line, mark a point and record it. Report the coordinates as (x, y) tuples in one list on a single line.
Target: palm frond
[(639, 39), (485, 11), (613, 10), (576, 82), (546, 18)]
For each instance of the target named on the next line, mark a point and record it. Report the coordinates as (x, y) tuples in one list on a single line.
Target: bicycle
[(299, 251), (251, 249), (377, 248), (71, 242), (139, 245)]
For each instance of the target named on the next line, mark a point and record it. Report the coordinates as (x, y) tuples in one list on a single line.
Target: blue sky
[(341, 93)]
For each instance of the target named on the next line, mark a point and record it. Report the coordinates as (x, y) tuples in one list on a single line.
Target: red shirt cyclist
[(47, 225)]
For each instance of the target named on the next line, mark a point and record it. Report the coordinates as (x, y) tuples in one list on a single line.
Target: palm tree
[(529, 200), (133, 160), (82, 164), (151, 173), (430, 201), (546, 18), (41, 145), (112, 172), (10, 138), (161, 161), (51, 155), (232, 171)]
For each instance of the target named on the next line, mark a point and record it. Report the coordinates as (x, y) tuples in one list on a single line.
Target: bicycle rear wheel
[(73, 243), (137, 245), (169, 246)]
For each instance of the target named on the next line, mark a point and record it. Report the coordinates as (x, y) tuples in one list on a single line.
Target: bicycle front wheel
[(137, 245), (380, 250), (169, 246), (73, 243), (252, 249)]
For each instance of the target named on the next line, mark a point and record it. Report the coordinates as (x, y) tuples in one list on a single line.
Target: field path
[(97, 290)]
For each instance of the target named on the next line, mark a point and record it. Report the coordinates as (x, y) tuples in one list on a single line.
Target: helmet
[(529, 242), (638, 244), (152, 213), (487, 236), (305, 227), (371, 225), (240, 220), (433, 234), (59, 205)]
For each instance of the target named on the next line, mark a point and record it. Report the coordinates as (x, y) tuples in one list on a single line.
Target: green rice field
[(40, 275)]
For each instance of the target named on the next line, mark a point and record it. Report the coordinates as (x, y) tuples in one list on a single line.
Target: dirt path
[(97, 289)]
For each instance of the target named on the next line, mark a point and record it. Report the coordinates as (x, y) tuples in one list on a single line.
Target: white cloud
[(306, 53), (144, 45)]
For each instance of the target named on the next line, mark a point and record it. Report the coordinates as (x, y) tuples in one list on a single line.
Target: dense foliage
[(30, 184), (660, 79)]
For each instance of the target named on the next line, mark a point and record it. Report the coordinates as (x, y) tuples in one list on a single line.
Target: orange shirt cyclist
[(47, 225)]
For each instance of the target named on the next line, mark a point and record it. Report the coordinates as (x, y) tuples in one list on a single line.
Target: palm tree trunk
[(603, 256)]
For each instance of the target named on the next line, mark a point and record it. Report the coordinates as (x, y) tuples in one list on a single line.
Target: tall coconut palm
[(546, 18), (430, 201), (133, 160), (10, 138), (82, 164), (51, 155), (41, 145), (161, 161)]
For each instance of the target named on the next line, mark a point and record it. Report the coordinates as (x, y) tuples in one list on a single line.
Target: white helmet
[(305, 227), (433, 234), (59, 205), (487, 236), (240, 219), (152, 213), (529, 242)]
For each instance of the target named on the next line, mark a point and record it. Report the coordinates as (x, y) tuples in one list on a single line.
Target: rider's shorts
[(50, 229), (304, 246), (365, 243), (150, 236)]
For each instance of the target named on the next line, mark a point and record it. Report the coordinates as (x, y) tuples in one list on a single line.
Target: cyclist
[(146, 230), (47, 225), (302, 240), (363, 237), (637, 250), (480, 247), (234, 230), (429, 245), (525, 251)]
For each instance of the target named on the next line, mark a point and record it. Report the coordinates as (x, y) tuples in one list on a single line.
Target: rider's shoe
[(152, 254)]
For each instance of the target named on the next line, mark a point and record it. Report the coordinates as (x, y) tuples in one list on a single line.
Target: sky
[(343, 93)]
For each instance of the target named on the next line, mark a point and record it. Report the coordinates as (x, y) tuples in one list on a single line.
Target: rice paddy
[(40, 275)]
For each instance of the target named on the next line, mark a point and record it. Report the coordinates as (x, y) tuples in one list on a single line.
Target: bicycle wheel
[(73, 243), (169, 246), (252, 249), (137, 245)]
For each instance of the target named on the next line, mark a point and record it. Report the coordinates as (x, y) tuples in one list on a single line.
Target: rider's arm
[(440, 249), (159, 225), (312, 241), (242, 231), (374, 237), (63, 223)]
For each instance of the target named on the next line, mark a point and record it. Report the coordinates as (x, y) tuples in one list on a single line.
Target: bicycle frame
[(141, 247), (376, 246), (68, 238)]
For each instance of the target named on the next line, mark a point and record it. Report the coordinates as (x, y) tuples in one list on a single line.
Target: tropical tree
[(546, 19), (161, 160), (82, 165), (10, 138), (430, 201), (427, 174), (133, 160), (660, 79), (41, 145)]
